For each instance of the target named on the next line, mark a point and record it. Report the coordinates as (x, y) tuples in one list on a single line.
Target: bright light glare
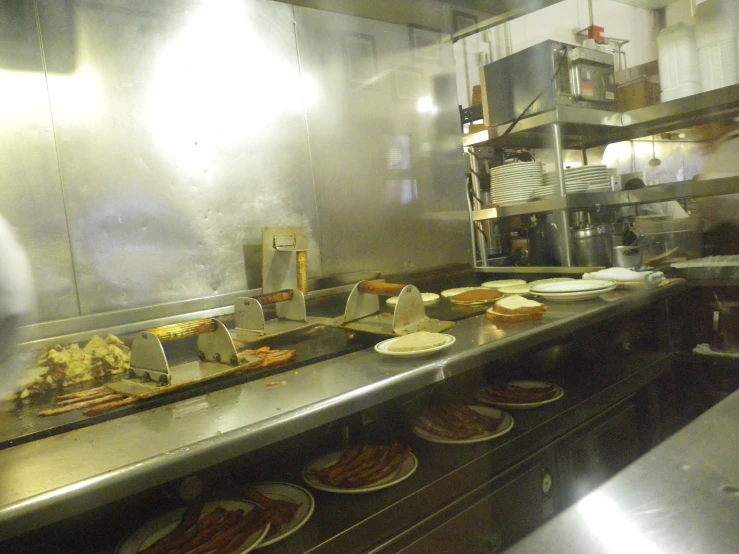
[(22, 93), (425, 104), (219, 83), (612, 528)]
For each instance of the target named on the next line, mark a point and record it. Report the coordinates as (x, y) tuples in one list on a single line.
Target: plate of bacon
[(361, 469), (520, 395), (233, 526), (460, 424)]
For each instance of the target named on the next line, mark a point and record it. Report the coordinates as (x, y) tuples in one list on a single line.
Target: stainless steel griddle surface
[(311, 345)]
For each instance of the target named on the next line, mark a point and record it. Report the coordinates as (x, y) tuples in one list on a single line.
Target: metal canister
[(593, 245), (627, 256)]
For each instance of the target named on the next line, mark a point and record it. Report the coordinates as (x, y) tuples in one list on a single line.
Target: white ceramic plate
[(575, 296), (522, 290), (550, 280), (406, 469), (513, 197), (496, 285), (479, 394), (428, 299), (500, 200), (517, 166), (382, 348), (576, 285), (162, 525), (505, 426), (289, 493), (451, 292)]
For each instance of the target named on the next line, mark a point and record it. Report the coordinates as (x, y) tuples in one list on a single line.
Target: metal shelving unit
[(570, 127)]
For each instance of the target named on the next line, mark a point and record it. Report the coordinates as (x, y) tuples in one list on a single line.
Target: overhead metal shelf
[(581, 200), (579, 126), (722, 103), (587, 128)]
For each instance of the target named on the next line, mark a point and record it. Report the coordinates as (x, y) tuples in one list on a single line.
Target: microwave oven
[(562, 74)]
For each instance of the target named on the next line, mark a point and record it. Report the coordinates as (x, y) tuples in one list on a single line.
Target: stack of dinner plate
[(549, 187), (588, 178), (515, 182)]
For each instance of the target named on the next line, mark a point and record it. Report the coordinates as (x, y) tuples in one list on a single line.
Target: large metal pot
[(593, 245)]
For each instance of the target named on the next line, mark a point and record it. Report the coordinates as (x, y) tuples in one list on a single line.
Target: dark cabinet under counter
[(490, 518)]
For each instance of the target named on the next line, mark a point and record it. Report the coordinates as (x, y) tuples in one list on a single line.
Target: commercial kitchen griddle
[(312, 344)]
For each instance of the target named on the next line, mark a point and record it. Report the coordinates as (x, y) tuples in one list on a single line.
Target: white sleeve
[(17, 304), (17, 294)]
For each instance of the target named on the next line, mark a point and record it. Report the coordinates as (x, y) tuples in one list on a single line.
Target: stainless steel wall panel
[(385, 143), (181, 133), (30, 191)]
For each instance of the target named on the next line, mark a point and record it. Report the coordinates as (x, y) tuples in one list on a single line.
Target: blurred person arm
[(720, 214), (17, 306)]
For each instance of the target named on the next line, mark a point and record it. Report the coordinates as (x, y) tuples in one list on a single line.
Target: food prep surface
[(119, 457), (310, 346)]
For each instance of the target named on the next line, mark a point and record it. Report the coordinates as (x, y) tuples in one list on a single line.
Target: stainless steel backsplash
[(159, 138)]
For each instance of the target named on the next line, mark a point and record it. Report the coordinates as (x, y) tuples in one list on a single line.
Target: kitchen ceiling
[(430, 13)]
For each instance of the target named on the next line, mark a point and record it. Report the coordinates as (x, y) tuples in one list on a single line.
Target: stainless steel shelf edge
[(683, 112), (656, 193), (527, 270), (685, 189), (115, 459), (567, 115), (586, 128), (535, 206), (485, 213)]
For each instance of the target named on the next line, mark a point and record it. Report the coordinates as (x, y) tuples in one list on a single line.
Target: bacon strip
[(240, 537), (205, 535), (456, 421), (370, 465), (110, 406), (75, 400), (189, 519), (80, 405), (507, 392), (169, 542), (80, 394)]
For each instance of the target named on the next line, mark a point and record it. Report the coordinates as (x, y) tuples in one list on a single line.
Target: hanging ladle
[(655, 161)]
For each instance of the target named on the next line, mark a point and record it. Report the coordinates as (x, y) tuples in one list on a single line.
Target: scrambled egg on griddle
[(70, 365)]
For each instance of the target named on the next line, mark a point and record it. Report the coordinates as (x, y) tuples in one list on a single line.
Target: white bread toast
[(495, 316), (516, 304), (516, 308)]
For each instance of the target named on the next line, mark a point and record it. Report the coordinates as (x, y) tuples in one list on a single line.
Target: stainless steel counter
[(50, 479), (680, 498)]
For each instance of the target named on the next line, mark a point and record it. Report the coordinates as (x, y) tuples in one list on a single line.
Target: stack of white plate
[(550, 186), (574, 290), (588, 178), (515, 182)]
